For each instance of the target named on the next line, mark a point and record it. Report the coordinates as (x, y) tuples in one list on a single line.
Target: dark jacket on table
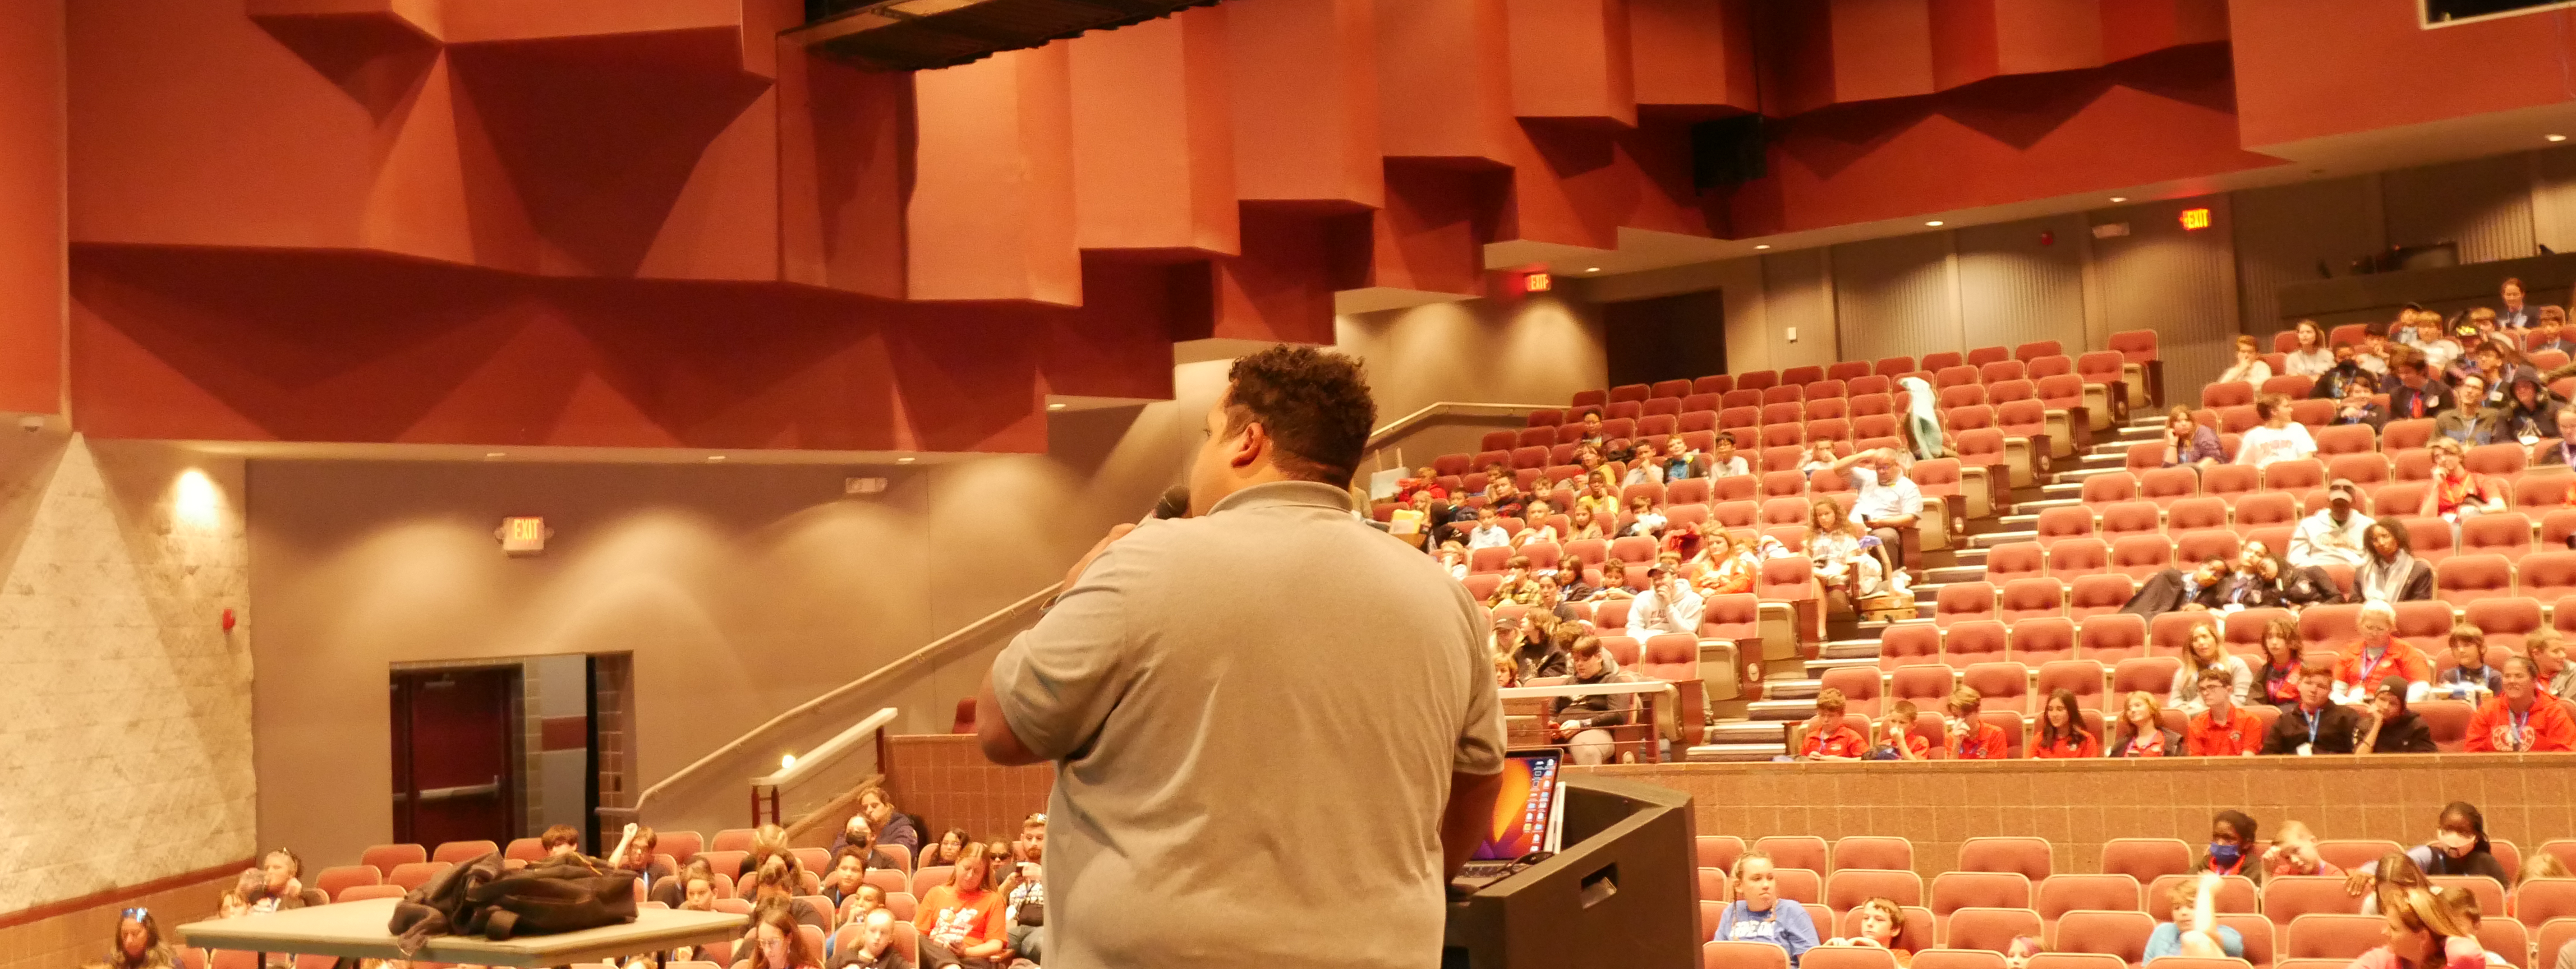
[(2408, 734), (2336, 732)]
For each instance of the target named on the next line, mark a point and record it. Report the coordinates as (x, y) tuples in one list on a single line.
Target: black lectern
[(1622, 893)]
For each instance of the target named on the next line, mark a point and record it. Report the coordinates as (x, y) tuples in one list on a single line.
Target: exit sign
[(523, 535), (2195, 219), (1537, 283)]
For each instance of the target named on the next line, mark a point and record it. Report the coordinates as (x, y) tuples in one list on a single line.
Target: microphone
[(1175, 503)]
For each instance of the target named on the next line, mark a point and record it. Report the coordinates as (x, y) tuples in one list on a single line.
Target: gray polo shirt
[(1255, 715)]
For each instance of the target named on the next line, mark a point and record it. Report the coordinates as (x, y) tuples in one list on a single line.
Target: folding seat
[(2547, 576), (1540, 436), (2406, 434), (1480, 587), (2206, 544), (1945, 358), (1981, 356), (2505, 937), (1828, 429), (1780, 484), (2129, 518), (460, 852), (1958, 376), (2229, 394), (2236, 894), (2147, 674), (1874, 385), (2015, 560), (2504, 533), (2111, 637), (332, 881), (2369, 470), (2121, 935), (1846, 888), (2286, 897), (2320, 935), (353, 893), (1722, 954), (1986, 930), (2105, 489), (1784, 457), (1499, 441), (2061, 894), (1590, 551), (1450, 465), (2051, 365), (2196, 514), (2001, 392), (1626, 392), (2291, 386), (1846, 369), (2100, 367), (1916, 929), (1546, 417), (2336, 440), (2032, 598), (1984, 447), (2398, 498), (1718, 851), (1648, 490), (1542, 555), (1739, 398), (1633, 549), (2140, 556), (1834, 406), (1909, 643), (1823, 390), (1713, 384), (2067, 522), (412, 875), (1655, 425), (2548, 942), (1827, 482), (2229, 483), (1859, 406), (1796, 851), (1616, 428), (2540, 492), (2313, 413), (1731, 617), (2024, 419), (2168, 634), (1783, 435), (1785, 394), (2094, 593), (1860, 688), (1668, 388), (2555, 526), (2265, 509), (1688, 491), (1963, 601), (1968, 417), (1953, 891), (2507, 857), (2536, 902), (2495, 459), (1927, 685), (2039, 640), (2036, 349), (2028, 857), (1623, 409), (2297, 477), (2164, 486), (2001, 370), (2004, 684), (2428, 539), (1529, 458), (2232, 421), (1488, 459), (2146, 859), (2463, 579), (1893, 366), (1788, 413), (383, 858), (2145, 456), (2244, 629)]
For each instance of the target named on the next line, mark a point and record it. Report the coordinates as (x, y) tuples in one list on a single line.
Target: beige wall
[(129, 732), (1538, 350)]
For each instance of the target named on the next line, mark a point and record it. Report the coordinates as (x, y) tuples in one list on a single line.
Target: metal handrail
[(827, 752), (910, 660), (1448, 408)]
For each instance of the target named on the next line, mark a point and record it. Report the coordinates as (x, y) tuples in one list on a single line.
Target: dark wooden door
[(453, 732)]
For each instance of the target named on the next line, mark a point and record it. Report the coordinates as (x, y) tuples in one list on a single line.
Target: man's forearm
[(1464, 820), (993, 732)]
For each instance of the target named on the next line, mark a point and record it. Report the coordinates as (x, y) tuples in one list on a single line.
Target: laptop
[(1528, 816)]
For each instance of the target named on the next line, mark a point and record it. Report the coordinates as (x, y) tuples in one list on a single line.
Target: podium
[(1623, 892)]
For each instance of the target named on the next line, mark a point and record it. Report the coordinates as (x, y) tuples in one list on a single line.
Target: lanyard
[(2520, 725), (2315, 720), (2368, 664)]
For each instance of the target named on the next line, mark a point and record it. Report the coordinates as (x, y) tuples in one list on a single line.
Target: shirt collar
[(1314, 494)]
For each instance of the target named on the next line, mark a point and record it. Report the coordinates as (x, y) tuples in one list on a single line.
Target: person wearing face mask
[(2459, 847), (2231, 847), (1889, 502), (2519, 719), (1758, 914)]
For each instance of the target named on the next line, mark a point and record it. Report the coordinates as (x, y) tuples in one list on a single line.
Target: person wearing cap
[(1667, 606), (2393, 729), (2332, 536)]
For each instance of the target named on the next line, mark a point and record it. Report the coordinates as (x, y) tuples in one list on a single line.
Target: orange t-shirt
[(2241, 734), (2401, 660), (2497, 729), (1986, 742), (955, 919), (2068, 747), (1841, 742)]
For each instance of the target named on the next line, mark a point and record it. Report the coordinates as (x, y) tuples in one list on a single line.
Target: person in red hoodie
[(1969, 737), (2517, 720), (1828, 737), (2378, 655)]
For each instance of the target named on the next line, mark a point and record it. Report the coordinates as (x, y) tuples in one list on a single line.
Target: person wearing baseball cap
[(2332, 536)]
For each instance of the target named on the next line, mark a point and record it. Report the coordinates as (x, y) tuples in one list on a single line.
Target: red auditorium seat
[(2121, 935), (2097, 592), (2107, 489), (460, 852), (1625, 392), (2313, 413), (2001, 370), (1824, 391), (1785, 394), (1846, 369), (1498, 441), (2135, 346), (411, 875), (2028, 857), (2495, 459), (2031, 598), (2333, 935), (1718, 851), (2140, 556), (2552, 937), (2077, 560), (1963, 601), (2229, 483), (2112, 637), (2538, 493), (2147, 859), (1583, 398), (2230, 394), (1731, 617), (2074, 521), (1668, 388), (1906, 644), (1893, 366), (2195, 514), (2144, 457), (2164, 486), (1980, 356), (2286, 897), (2168, 634), (1846, 888), (1713, 384), (2243, 632), (1915, 931), (2297, 477), (2004, 684), (2405, 435), (1953, 891), (384, 858), (2101, 367), (2292, 386), (1784, 413), (1874, 852), (2128, 518), (1944, 358), (2147, 674), (1982, 930), (2015, 560), (2342, 439), (2503, 533), (1859, 685), (1927, 684), (2038, 640), (2462, 579), (2264, 509), (2547, 575), (2001, 392), (2398, 498), (1796, 851), (2061, 894), (2428, 539), (1757, 380), (2037, 349), (332, 881), (1742, 955), (2082, 677), (2206, 544)]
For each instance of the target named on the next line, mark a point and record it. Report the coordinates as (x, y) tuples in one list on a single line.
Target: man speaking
[(1274, 727)]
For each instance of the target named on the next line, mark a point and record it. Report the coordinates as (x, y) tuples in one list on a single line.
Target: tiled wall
[(945, 779), (2078, 804), (129, 731), (87, 933)]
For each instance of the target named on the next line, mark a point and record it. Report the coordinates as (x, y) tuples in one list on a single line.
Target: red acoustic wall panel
[(1303, 80), (1153, 137), (1431, 235), (2316, 68), (31, 223), (1570, 59), (992, 213), (1445, 80), (1694, 56), (1973, 40), (845, 172), (2134, 27)]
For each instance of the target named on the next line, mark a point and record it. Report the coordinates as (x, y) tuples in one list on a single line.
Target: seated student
[(1724, 462), (2172, 590), (2392, 574), (2356, 401), (2457, 492), (280, 885), (2276, 439), (776, 882), (2377, 655), (1551, 654), (1682, 463), (860, 832), (2231, 846), (2192, 932), (1505, 498), (1896, 737), (1614, 581), (2459, 847), (1538, 529), (674, 891), (2276, 683), (2314, 725), (2549, 656), (848, 872), (2294, 852), (1645, 520), (1969, 736), (1758, 914), (560, 840), (1846, 561), (2519, 719), (1828, 737), (139, 945), (875, 948), (1889, 501), (1579, 722), (2469, 678), (2423, 933), (1881, 921), (1488, 532), (2310, 357), (2188, 442), (1667, 606), (868, 899), (1583, 524), (2542, 865), (2061, 731), (2203, 654), (2249, 366), (1726, 566), (961, 922), (1649, 468), (2219, 729), (2393, 729), (2141, 730), (2017, 955), (1820, 455)]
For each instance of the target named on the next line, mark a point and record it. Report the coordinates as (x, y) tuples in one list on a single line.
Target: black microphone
[(1175, 503)]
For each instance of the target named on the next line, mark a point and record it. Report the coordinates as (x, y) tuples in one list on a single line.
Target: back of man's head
[(1314, 404)]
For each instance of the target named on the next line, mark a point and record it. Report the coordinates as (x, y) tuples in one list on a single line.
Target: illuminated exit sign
[(2195, 219), (1537, 283), (523, 535)]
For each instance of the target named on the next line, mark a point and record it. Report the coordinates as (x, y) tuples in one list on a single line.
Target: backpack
[(481, 898)]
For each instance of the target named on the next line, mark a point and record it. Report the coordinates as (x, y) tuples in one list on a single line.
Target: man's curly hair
[(1314, 405)]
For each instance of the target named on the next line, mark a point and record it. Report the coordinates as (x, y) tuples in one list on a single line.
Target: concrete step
[(1748, 732), (1821, 665), (1734, 753), (1847, 649), (1790, 687), (1958, 573), (1987, 542), (1783, 710)]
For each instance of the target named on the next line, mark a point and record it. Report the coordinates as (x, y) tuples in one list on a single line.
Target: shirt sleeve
[(1479, 749), (1058, 681), (1797, 931)]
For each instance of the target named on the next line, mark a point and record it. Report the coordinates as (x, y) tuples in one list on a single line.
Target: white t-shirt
[(2262, 445)]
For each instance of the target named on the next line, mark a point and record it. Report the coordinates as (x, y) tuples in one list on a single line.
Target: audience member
[(1828, 737), (2469, 421), (281, 885), (2294, 852), (868, 900), (2392, 573), (1726, 566), (950, 847), (2218, 730), (1820, 456), (2549, 656), (2061, 732), (2469, 677), (2186, 442), (1644, 519), (2423, 933), (2377, 655), (2541, 865), (1539, 529), (2559, 449), (1600, 497), (849, 871), (1025, 892), (1648, 469), (2255, 581), (2463, 904), (875, 948), (2332, 536), (1846, 562), (2314, 725), (2439, 351), (2018, 953), (2529, 411), (1724, 462), (2231, 846), (1581, 722), (2553, 335), (2205, 652), (2277, 438), (2514, 315), (2459, 847), (1881, 922), (1889, 501), (1758, 914), (2193, 932), (139, 945), (676, 890), (1969, 736), (2140, 730), (961, 922), (2277, 682), (1896, 737), (2394, 871), (1921, 428), (2249, 366), (559, 840), (2310, 357), (1667, 606), (2172, 590), (776, 944), (2518, 719), (2392, 728), (1545, 655), (777, 882), (2356, 403), (2416, 390), (2456, 492), (1489, 531), (1582, 524), (1614, 581)]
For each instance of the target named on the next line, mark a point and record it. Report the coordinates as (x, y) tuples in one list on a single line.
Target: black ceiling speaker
[(1727, 151)]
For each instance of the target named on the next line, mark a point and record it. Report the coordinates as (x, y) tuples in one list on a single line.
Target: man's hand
[(1116, 532)]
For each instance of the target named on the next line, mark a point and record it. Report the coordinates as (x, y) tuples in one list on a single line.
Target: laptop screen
[(1526, 813)]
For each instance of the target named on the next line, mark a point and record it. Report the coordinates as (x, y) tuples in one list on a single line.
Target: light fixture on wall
[(1762, 245), (715, 459), (1055, 406), (2119, 198), (786, 761), (523, 534), (2557, 138), (195, 500), (1594, 269), (1934, 223), (903, 460)]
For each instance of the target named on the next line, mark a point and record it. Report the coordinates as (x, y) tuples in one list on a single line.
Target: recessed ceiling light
[(1055, 406), (494, 455), (1933, 222), (2119, 198), (1764, 245), (714, 458), (2557, 137), (903, 460), (1594, 269)]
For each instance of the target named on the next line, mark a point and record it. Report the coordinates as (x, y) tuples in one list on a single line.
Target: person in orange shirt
[(1828, 737), (2518, 720), (962, 920), (2377, 656), (2222, 730), (2061, 730), (1896, 737), (1969, 737)]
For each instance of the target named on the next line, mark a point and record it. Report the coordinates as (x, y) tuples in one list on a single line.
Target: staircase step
[(1781, 709), (1734, 753), (1986, 543), (1748, 732), (1848, 649), (1821, 665), (1792, 687), (1960, 573)]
